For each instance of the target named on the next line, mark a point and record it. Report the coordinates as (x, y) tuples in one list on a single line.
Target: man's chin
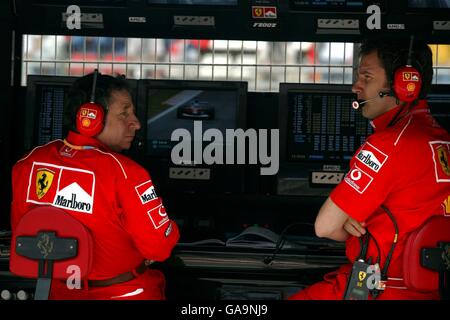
[(365, 113), (125, 146)]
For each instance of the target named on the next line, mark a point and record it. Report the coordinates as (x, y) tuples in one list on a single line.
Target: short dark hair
[(393, 53), (80, 93)]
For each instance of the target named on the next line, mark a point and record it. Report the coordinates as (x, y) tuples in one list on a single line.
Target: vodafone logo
[(358, 179), (158, 216), (355, 175), (162, 211)]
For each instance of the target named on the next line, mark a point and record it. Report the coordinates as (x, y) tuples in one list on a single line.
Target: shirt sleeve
[(369, 181), (144, 216)]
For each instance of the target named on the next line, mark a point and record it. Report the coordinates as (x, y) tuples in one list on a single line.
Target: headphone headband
[(407, 80), (90, 115)]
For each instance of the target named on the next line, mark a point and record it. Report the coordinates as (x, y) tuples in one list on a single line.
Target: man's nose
[(135, 122), (356, 87)]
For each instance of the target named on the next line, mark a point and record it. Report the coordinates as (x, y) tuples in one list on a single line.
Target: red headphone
[(407, 80), (91, 115)]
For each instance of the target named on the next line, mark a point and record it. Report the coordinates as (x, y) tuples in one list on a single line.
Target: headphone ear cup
[(90, 118), (407, 83)]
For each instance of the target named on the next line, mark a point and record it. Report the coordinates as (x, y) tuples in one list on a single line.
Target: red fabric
[(334, 284), (404, 167), (47, 218), (148, 286), (417, 277), (109, 193)]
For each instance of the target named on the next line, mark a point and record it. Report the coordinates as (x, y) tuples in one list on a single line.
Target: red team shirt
[(406, 168), (110, 194)]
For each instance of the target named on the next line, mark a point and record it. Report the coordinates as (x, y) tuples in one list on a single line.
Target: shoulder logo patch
[(146, 192), (441, 157), (358, 179), (371, 157), (158, 216)]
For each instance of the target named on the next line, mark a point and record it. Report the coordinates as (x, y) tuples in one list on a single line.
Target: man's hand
[(354, 228)]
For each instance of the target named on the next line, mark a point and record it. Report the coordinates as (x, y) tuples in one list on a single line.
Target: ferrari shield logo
[(443, 159), (258, 12), (362, 275), (406, 76), (44, 179)]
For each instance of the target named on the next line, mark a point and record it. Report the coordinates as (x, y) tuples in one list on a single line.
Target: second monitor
[(191, 107)]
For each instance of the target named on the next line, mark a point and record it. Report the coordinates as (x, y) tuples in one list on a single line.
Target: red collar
[(79, 140), (382, 121)]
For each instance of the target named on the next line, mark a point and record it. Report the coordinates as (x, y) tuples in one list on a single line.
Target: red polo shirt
[(109, 193), (403, 166)]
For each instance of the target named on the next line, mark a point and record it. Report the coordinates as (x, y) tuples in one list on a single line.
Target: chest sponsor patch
[(158, 216), (371, 157), (441, 158), (146, 192), (358, 179), (62, 187)]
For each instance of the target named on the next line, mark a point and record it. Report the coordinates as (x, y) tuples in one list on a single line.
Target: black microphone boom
[(358, 103)]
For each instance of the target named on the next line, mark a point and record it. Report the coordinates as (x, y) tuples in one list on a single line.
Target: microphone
[(358, 103)]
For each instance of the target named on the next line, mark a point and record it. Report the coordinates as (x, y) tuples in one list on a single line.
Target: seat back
[(48, 243), (425, 254)]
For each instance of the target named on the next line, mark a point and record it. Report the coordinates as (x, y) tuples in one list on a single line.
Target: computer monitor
[(321, 126), (44, 121), (319, 132), (193, 107)]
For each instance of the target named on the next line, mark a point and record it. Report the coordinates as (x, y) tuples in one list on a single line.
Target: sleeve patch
[(158, 216), (146, 192), (371, 157), (441, 157), (358, 179)]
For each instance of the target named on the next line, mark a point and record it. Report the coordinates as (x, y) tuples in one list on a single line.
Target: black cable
[(394, 243), (281, 240), (376, 244), (364, 244)]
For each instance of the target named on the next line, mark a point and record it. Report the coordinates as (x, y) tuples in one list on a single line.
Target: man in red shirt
[(397, 179), (110, 194)]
